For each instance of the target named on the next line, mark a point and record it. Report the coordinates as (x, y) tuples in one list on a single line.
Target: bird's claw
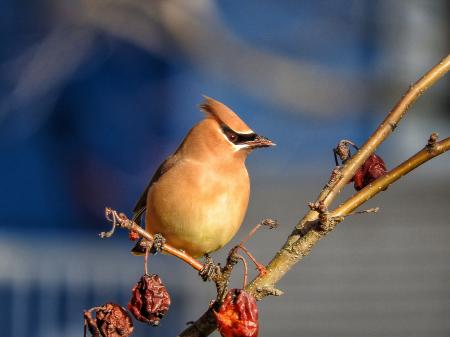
[(158, 243), (209, 269)]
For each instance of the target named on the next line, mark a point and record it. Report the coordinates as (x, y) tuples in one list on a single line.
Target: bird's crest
[(224, 115)]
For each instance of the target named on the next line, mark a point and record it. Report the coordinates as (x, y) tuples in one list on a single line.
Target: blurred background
[(94, 94)]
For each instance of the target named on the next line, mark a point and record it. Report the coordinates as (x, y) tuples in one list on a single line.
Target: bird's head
[(222, 132), (228, 132)]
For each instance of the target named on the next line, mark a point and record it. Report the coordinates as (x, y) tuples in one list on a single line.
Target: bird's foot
[(158, 243), (209, 269)]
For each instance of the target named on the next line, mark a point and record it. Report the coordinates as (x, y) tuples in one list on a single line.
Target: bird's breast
[(198, 208)]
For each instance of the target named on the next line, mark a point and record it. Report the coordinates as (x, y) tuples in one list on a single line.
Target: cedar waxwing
[(198, 197)]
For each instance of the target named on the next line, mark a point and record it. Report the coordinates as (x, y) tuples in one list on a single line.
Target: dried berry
[(133, 236), (111, 320), (150, 300), (238, 315), (372, 169)]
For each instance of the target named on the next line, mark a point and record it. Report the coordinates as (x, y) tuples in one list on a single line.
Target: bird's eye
[(231, 136)]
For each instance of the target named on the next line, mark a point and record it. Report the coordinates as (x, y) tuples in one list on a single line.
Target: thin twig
[(298, 245), (390, 177), (259, 266), (250, 234), (366, 211), (147, 250), (388, 125), (244, 263), (121, 220)]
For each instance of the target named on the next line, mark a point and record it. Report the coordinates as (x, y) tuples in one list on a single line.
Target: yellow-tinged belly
[(201, 212)]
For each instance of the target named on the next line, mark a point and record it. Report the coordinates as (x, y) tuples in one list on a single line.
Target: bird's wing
[(141, 205)]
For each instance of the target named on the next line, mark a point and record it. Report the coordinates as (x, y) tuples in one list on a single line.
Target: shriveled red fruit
[(238, 315), (373, 168), (111, 320), (150, 300)]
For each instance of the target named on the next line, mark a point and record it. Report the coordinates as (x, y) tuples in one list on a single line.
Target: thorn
[(269, 290), (370, 210)]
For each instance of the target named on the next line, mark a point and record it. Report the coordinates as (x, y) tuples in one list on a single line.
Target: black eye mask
[(237, 138)]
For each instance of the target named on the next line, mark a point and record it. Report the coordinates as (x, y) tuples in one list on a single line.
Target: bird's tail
[(139, 247)]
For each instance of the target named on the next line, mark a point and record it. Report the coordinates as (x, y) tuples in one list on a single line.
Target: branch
[(310, 229), (386, 127), (299, 245), (390, 177), (121, 220)]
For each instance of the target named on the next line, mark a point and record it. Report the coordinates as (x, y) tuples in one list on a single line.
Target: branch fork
[(306, 234), (121, 220), (208, 270), (316, 223)]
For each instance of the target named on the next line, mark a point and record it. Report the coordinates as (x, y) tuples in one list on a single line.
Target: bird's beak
[(260, 141)]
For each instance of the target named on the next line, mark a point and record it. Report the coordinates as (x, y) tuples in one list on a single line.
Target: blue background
[(94, 95)]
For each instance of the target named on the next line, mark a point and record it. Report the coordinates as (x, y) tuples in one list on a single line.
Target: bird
[(198, 197)]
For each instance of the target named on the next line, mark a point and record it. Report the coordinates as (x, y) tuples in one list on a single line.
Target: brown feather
[(224, 115), (198, 197), (141, 205)]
